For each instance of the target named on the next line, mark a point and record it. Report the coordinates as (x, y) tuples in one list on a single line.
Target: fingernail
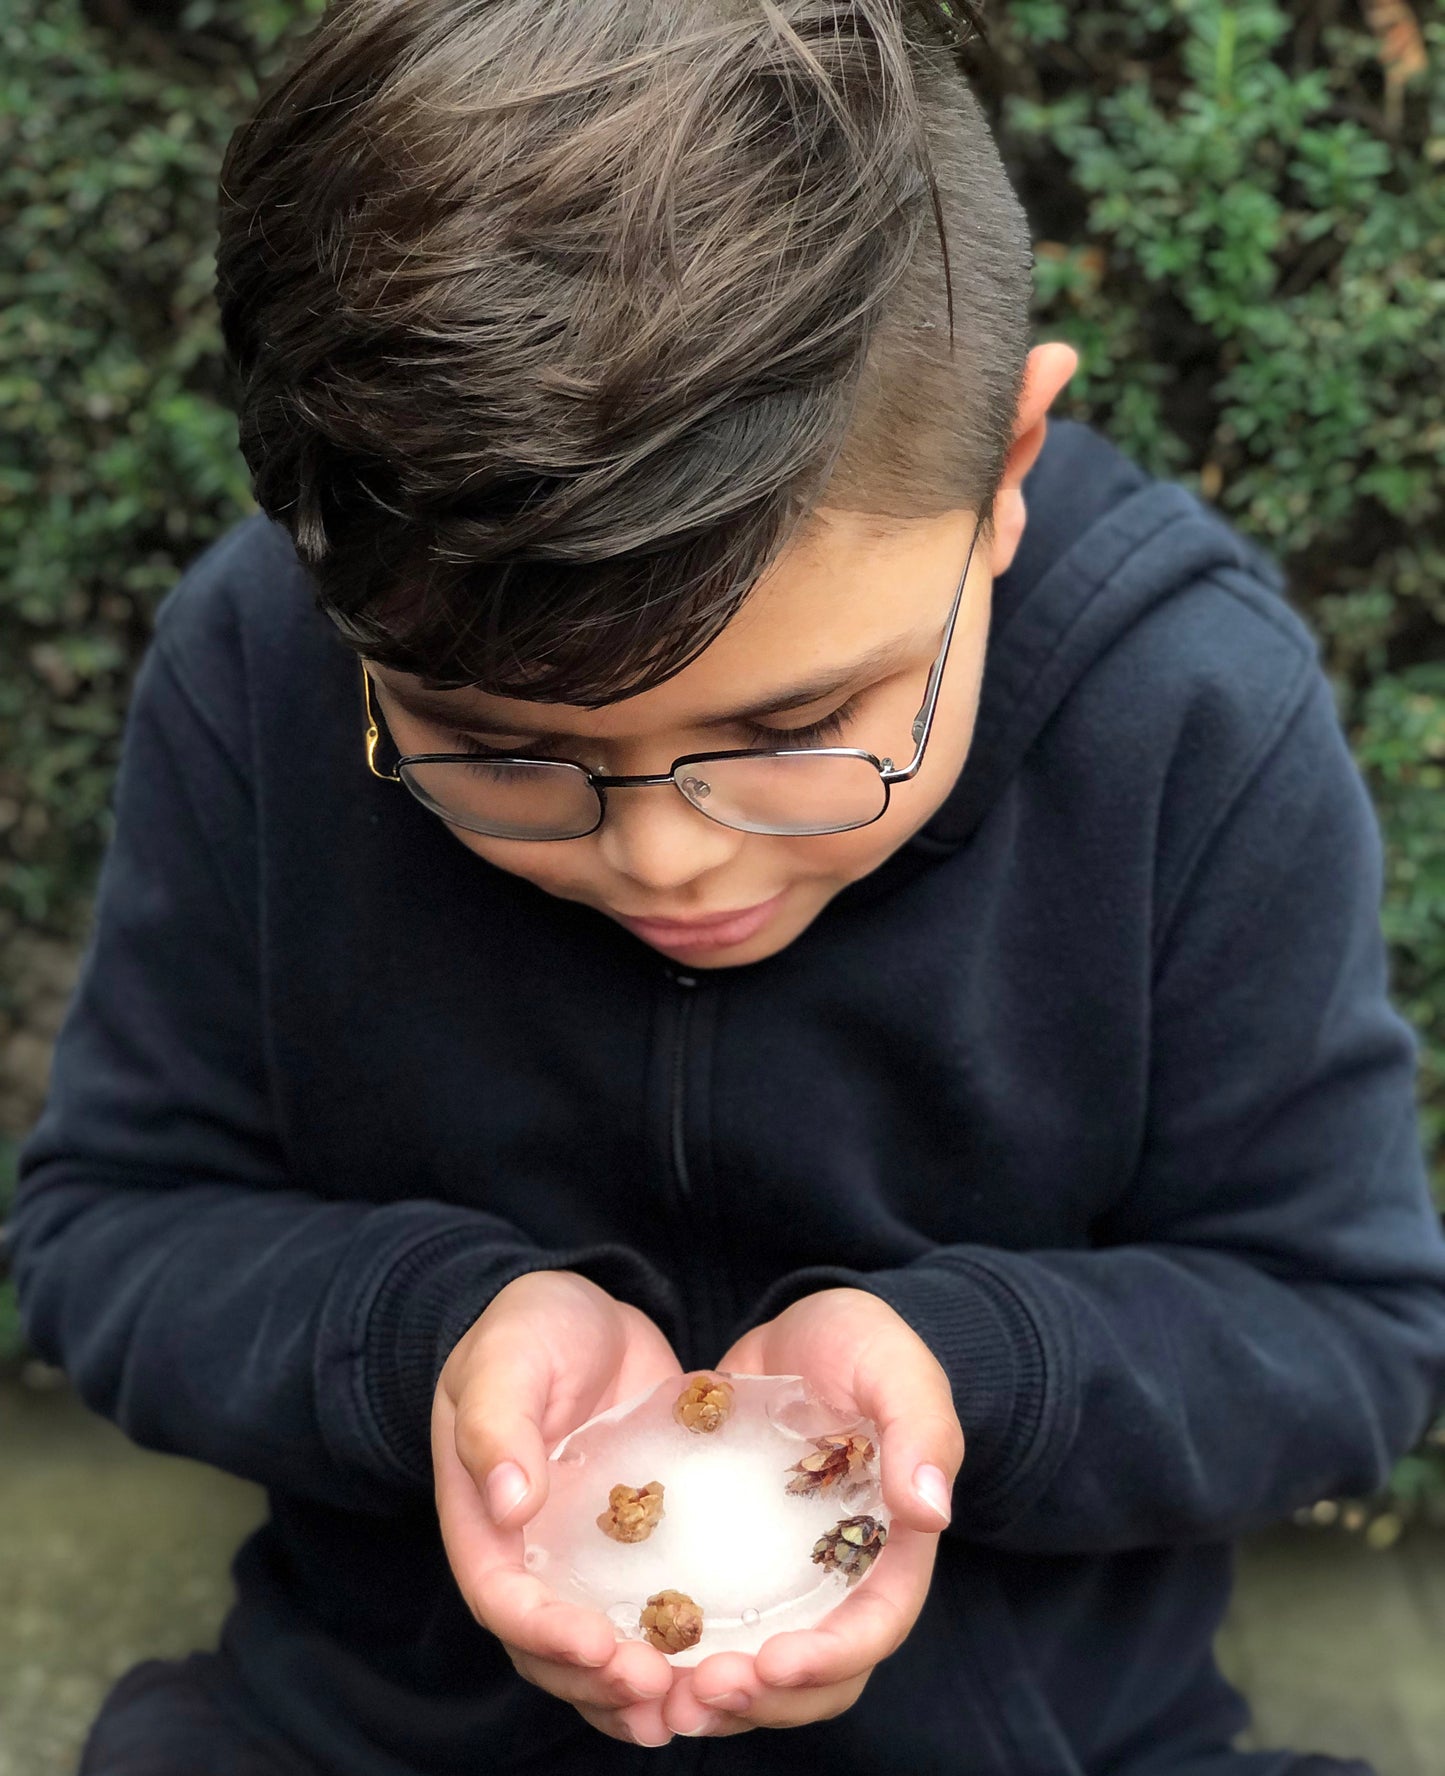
[(506, 1488), (651, 1744), (734, 1699), (930, 1485), (793, 1680), (699, 1732), (643, 1695)]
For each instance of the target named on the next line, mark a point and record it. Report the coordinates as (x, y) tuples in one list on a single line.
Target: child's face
[(825, 604)]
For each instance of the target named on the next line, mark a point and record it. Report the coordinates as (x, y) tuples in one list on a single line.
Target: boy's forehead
[(846, 603)]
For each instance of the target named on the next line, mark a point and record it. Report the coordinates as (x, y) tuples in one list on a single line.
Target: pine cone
[(704, 1403), (672, 1622), (839, 1459), (851, 1547), (633, 1512)]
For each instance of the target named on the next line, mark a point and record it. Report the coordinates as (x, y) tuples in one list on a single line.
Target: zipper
[(679, 1088), (692, 1246)]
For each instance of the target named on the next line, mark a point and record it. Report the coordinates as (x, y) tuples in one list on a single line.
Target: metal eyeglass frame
[(887, 770)]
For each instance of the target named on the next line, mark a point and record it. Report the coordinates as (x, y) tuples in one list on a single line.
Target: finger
[(692, 1719), (503, 1395), (905, 1390), (639, 1725), (487, 1564), (721, 1675), (524, 1613), (798, 1708), (868, 1625), (761, 1707), (625, 1679), (746, 1356), (647, 1358)]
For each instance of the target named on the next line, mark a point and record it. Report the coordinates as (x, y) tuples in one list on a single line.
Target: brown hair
[(551, 321)]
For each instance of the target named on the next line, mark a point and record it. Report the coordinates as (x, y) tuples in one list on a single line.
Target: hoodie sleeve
[(1262, 1321), (195, 1291)]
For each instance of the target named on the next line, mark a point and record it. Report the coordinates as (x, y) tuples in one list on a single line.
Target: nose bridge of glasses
[(633, 782)]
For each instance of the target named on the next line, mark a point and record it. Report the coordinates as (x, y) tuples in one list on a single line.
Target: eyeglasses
[(791, 793)]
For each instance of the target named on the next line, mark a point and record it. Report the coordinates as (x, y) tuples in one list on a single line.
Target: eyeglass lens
[(785, 794)]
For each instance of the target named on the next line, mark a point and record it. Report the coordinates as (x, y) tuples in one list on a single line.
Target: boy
[(848, 881)]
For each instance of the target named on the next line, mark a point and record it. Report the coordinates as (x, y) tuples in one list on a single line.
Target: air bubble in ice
[(731, 1536), (797, 1411)]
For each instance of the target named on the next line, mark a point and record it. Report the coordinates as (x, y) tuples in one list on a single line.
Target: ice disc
[(750, 1531)]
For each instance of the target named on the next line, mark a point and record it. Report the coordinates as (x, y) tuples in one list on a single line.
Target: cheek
[(844, 857), (560, 868)]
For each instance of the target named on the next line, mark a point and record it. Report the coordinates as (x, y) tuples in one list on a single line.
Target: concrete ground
[(110, 1554)]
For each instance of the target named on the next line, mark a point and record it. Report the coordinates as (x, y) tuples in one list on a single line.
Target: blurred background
[(1239, 212)]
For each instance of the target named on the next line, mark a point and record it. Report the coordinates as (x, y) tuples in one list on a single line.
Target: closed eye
[(760, 738), (817, 733)]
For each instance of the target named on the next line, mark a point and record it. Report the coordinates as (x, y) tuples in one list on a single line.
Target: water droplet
[(534, 1559), (626, 1618), (751, 1618)]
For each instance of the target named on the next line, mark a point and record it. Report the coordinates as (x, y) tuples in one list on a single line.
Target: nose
[(654, 835)]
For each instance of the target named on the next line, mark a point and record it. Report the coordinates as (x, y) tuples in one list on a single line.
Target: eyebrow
[(872, 665)]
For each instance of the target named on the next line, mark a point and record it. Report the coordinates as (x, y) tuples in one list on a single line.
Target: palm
[(580, 1357), (596, 1366), (810, 1340)]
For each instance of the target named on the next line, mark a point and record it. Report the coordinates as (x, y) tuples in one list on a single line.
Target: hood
[(1104, 542)]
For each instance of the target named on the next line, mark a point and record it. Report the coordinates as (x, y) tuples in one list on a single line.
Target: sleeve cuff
[(434, 1293), (993, 1350)]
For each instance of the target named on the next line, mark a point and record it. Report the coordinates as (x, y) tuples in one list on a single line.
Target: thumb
[(906, 1393), (501, 1398)]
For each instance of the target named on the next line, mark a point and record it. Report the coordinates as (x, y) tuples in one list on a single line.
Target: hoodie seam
[(161, 649), (1090, 565), (1101, 574), (1256, 761), (1273, 609)]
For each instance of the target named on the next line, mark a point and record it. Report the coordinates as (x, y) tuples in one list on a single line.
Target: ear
[(1048, 369)]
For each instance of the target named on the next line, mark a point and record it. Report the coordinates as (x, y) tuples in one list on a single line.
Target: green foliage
[(11, 1344), (1244, 245), (1401, 742), (118, 457)]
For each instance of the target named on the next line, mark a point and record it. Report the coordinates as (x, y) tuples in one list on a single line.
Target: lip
[(715, 933)]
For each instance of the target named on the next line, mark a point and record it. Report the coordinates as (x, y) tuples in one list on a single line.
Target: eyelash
[(818, 733)]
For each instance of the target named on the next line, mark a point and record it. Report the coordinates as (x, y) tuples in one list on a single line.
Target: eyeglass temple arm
[(923, 721), (373, 734)]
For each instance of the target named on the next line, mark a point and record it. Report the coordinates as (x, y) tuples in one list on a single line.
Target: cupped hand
[(551, 1351), (862, 1357)]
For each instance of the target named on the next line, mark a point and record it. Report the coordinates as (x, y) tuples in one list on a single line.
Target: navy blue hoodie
[(1094, 1080)]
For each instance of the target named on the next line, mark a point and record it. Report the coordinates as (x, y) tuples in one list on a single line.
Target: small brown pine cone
[(838, 1460), (851, 1547), (632, 1512), (672, 1622), (704, 1403)]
